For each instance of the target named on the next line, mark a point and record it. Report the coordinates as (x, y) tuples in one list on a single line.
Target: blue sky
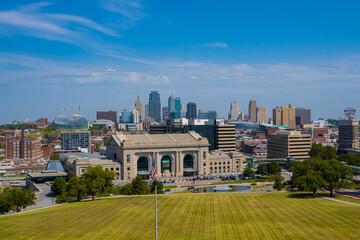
[(102, 54)]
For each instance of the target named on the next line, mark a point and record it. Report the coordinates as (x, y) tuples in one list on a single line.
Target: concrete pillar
[(181, 162), (158, 164), (173, 165)]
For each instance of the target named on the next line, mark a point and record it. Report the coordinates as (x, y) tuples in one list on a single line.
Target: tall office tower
[(262, 115), (349, 131), (139, 107), (304, 113), (147, 111), (284, 116), (277, 116), (165, 113), (191, 110), (109, 115), (155, 106), (252, 110), (234, 111), (283, 144), (174, 105)]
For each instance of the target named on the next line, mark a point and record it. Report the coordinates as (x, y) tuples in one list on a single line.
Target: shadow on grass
[(304, 195)]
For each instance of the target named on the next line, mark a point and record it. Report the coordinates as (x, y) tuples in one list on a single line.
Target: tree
[(97, 180), (76, 188), (278, 182), (248, 172), (159, 188), (19, 198), (322, 152), (127, 189), (314, 173), (336, 174), (306, 177), (50, 135), (4, 204), (58, 186), (273, 168), (262, 169), (139, 186), (351, 159)]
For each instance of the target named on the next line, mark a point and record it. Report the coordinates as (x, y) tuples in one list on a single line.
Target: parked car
[(254, 184), (191, 187), (167, 190)]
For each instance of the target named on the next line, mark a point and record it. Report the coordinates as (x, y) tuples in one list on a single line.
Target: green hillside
[(192, 216)]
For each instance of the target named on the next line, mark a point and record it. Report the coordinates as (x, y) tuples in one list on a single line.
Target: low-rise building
[(289, 143)]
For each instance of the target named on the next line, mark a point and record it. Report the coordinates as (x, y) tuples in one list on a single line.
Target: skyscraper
[(261, 115), (284, 116), (174, 105), (252, 110), (234, 111), (139, 107), (191, 110), (304, 113), (155, 106)]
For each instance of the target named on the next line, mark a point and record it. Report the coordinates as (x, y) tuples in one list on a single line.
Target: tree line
[(322, 170), (15, 199), (96, 182)]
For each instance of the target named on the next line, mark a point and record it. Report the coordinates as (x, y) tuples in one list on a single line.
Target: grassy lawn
[(355, 186), (191, 216), (260, 186)]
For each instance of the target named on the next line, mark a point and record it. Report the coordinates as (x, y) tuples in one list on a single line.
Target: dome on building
[(62, 120), (64, 123), (81, 120)]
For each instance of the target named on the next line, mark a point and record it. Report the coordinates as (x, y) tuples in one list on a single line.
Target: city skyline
[(60, 54)]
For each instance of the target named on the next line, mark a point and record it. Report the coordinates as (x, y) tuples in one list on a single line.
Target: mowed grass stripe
[(193, 216)]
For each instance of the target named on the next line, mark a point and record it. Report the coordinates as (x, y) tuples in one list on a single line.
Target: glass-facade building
[(208, 115), (191, 110), (155, 106)]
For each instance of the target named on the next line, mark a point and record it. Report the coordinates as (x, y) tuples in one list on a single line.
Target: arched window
[(142, 164), (165, 163), (188, 162)]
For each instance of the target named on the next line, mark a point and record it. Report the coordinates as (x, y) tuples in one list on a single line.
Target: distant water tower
[(350, 113)]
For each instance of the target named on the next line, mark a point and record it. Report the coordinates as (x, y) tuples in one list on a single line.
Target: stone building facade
[(176, 155)]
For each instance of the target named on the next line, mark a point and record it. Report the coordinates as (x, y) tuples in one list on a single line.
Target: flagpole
[(156, 233)]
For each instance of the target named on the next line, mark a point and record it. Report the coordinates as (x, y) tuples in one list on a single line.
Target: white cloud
[(30, 20), (186, 64), (130, 9), (111, 70), (216, 45)]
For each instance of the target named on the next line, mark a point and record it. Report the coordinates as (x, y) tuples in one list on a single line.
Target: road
[(46, 198)]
